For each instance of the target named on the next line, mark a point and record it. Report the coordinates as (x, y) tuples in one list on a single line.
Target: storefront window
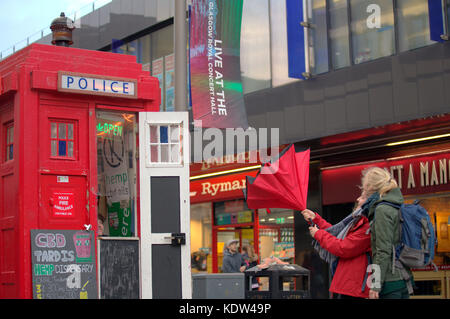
[(255, 45), (413, 24), (429, 283), (116, 160), (339, 33), (201, 238), (276, 234), (372, 27), (233, 220), (438, 207)]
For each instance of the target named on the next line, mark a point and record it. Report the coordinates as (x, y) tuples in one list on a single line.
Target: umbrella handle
[(312, 223)]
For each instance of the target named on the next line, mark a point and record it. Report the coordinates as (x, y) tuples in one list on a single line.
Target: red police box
[(49, 98)]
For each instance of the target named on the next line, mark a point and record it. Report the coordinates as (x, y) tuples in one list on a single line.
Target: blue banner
[(435, 11), (295, 39)]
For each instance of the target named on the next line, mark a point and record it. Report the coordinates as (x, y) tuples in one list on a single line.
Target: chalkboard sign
[(63, 264), (119, 268)]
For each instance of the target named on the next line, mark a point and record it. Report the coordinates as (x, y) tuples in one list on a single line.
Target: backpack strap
[(396, 206), (369, 262)]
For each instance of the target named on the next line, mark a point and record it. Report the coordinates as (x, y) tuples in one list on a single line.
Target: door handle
[(177, 239)]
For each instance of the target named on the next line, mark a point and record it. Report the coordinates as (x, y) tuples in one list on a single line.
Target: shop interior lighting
[(419, 139), (241, 169)]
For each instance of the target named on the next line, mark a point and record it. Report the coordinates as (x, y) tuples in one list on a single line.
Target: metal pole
[(180, 46)]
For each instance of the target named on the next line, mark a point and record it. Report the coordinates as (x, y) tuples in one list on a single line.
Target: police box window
[(9, 142), (62, 139)]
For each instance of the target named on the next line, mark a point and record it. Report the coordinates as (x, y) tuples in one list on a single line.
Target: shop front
[(219, 213), (423, 175)]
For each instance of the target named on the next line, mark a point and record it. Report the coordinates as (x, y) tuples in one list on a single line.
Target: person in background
[(232, 259), (385, 234), (346, 247), (101, 228), (251, 260)]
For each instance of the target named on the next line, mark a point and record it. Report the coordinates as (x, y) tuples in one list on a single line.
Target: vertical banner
[(297, 55), (215, 72), (437, 25)]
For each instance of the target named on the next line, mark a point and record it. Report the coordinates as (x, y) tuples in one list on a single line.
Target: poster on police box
[(63, 264)]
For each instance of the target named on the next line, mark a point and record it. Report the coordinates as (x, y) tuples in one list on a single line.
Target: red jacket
[(351, 268)]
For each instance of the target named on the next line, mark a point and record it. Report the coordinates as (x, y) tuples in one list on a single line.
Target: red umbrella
[(281, 184)]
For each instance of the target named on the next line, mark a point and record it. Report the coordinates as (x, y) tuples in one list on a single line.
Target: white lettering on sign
[(97, 85), (63, 179), (213, 188), (421, 174)]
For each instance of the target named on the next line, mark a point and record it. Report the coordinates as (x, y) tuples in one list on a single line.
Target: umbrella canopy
[(282, 183)]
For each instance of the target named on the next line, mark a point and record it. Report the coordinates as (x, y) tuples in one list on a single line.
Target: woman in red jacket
[(350, 248)]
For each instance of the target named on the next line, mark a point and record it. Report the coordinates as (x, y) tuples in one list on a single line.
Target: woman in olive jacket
[(385, 234)]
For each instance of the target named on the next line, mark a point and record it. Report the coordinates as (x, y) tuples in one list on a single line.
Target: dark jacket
[(352, 252), (232, 262), (385, 235)]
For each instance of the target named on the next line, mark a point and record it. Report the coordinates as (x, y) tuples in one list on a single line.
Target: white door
[(165, 208)]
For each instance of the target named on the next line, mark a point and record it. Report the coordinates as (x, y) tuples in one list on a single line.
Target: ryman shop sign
[(94, 84)]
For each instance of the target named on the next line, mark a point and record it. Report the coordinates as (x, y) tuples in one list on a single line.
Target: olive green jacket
[(385, 235)]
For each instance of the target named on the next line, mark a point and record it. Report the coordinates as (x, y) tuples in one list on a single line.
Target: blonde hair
[(250, 252), (375, 179)]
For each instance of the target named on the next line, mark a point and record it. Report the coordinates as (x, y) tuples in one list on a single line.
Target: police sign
[(95, 84)]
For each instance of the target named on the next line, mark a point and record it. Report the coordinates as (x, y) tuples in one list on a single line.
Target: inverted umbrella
[(282, 183)]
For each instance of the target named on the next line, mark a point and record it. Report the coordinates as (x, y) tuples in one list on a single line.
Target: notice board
[(119, 267), (63, 264)]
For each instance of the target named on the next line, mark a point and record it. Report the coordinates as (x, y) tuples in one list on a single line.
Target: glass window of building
[(162, 42), (163, 65), (129, 48), (278, 44), (413, 24), (255, 45), (233, 220), (201, 238), (276, 234), (372, 27), (339, 33), (144, 44), (317, 15)]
